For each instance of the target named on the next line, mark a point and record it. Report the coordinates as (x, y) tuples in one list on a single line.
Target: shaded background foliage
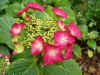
[(86, 13)]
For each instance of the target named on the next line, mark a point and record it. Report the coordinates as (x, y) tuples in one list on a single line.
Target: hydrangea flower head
[(44, 36)]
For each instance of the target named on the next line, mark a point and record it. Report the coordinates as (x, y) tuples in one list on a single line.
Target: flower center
[(44, 27), (52, 52), (63, 39), (38, 45), (17, 30)]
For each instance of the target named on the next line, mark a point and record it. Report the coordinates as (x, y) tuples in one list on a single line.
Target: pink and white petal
[(47, 59), (59, 12), (14, 53), (62, 38), (61, 25), (35, 51), (35, 6), (54, 54), (68, 52), (74, 30), (22, 24), (37, 45), (0, 54), (21, 11), (7, 56), (15, 29)]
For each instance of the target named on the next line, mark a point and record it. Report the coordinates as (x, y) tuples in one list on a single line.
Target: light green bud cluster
[(44, 27)]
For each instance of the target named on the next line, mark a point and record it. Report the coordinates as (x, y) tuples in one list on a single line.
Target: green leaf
[(62, 3), (53, 70), (43, 15), (3, 4), (47, 1), (69, 67), (49, 11), (93, 34), (84, 30), (70, 15), (26, 54), (93, 23), (5, 24), (13, 8), (3, 64), (77, 50), (26, 1), (4, 50), (90, 53), (23, 67), (72, 68), (92, 44)]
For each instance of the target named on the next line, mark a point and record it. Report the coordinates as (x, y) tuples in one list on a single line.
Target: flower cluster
[(63, 36), (7, 56)]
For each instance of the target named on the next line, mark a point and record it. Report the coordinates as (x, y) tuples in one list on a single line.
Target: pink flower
[(35, 6), (7, 56), (37, 45), (68, 52), (14, 53), (52, 54), (59, 12), (62, 38), (74, 30), (61, 25), (21, 11), (16, 29), (0, 54)]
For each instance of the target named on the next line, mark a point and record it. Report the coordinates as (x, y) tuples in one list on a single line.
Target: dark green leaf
[(69, 67), (72, 68), (53, 70), (4, 50), (26, 54), (23, 67)]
